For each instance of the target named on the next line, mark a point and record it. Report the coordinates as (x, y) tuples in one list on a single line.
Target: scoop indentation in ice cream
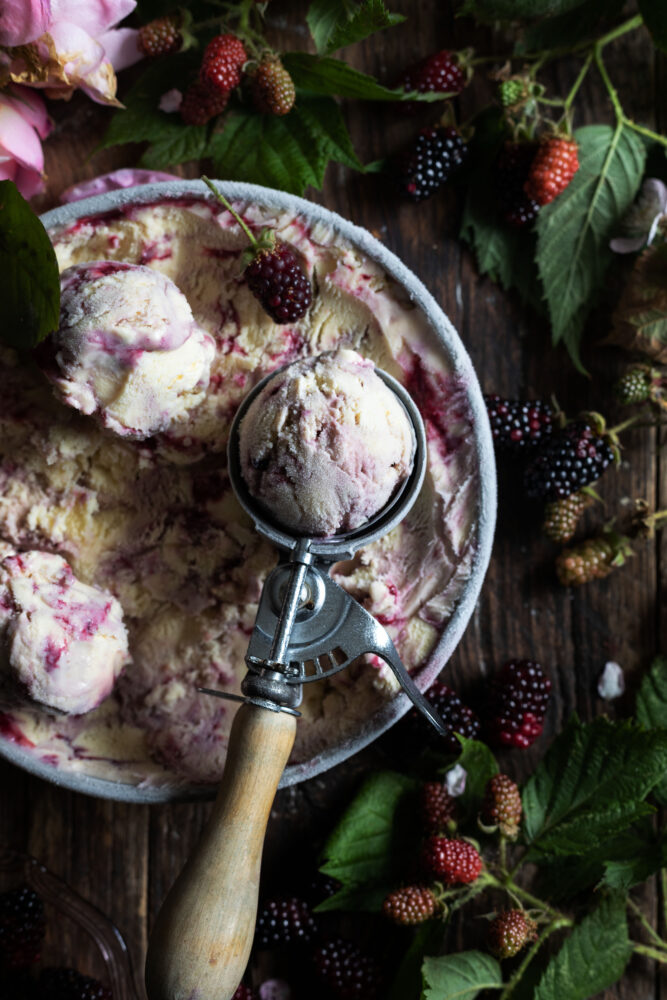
[(128, 348), (62, 641), (325, 444)]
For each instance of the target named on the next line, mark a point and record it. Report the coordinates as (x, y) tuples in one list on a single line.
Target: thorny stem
[(643, 949), (530, 954), (578, 82), (621, 117), (503, 854), (663, 886), (646, 925), (221, 198), (624, 425)]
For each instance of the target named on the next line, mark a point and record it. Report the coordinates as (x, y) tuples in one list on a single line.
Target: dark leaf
[(654, 13), (461, 976), (334, 24)]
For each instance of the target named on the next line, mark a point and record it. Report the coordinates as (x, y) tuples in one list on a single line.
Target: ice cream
[(62, 642), (156, 522), (128, 348), (325, 444)]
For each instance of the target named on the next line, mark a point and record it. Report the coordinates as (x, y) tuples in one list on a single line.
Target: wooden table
[(124, 857)]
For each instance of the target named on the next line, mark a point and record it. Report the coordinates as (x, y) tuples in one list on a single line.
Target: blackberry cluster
[(22, 927), (518, 425), (68, 984), (512, 171), (277, 280), (349, 973), (283, 921), (457, 717), (574, 457), (517, 703), (433, 157)]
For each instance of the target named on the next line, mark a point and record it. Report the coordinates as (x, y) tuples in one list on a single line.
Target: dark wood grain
[(124, 858)]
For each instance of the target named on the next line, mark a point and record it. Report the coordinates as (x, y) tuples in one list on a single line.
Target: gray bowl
[(459, 361)]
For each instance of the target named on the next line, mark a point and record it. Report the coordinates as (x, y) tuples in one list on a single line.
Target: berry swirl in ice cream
[(154, 521)]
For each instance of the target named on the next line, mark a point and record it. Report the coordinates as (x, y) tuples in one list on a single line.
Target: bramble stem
[(643, 949), (649, 133), (622, 29), (646, 925), (611, 90), (578, 82), (223, 201)]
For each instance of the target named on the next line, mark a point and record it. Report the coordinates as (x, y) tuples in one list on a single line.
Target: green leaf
[(460, 977), (573, 231), (142, 121), (593, 957), (335, 77), (513, 10), (29, 277), (408, 978), (641, 858), (504, 253), (480, 765), (289, 152), (654, 13), (334, 24), (565, 30), (591, 785), (651, 709), (362, 852)]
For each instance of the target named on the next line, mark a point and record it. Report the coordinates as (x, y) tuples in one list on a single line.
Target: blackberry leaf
[(334, 25), (461, 976)]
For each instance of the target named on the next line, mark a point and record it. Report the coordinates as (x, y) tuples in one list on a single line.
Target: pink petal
[(29, 182), (18, 140), (8, 169), (80, 52), (94, 16), (171, 101), (121, 47), (31, 107), (124, 178), (100, 84), (22, 21), (627, 244)]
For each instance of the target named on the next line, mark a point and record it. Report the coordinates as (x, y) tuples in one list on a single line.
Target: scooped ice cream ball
[(61, 641), (128, 348), (325, 444)]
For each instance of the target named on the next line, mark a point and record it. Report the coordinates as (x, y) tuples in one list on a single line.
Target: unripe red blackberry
[(437, 73), (273, 89), (222, 63), (200, 105), (509, 932), (454, 861), (411, 905), (561, 517), (438, 807), (517, 702), (502, 805), (592, 559), (161, 37), (244, 992), (555, 164)]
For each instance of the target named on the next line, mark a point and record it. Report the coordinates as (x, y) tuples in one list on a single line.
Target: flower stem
[(646, 925), (223, 201), (530, 955), (622, 29), (578, 82)]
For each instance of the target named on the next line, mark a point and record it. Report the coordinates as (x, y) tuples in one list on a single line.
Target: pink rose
[(71, 43), (23, 122)]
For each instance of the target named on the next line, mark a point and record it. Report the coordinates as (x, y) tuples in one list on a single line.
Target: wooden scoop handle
[(201, 941)]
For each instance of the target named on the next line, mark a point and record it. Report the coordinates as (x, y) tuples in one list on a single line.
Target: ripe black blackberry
[(68, 984), (432, 158), (349, 973), (574, 457), (22, 928), (457, 717), (516, 704), (518, 425), (511, 173), (284, 920)]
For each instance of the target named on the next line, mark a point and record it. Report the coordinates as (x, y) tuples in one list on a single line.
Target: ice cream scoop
[(128, 348), (61, 641), (325, 444)]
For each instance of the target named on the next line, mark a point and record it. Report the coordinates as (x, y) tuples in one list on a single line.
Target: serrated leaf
[(334, 25), (654, 13), (362, 851), (565, 30), (573, 232), (591, 785), (334, 77), (651, 710), (639, 322), (513, 10), (480, 766), (408, 978), (593, 957), (142, 121), (289, 152), (29, 277), (504, 253), (460, 977)]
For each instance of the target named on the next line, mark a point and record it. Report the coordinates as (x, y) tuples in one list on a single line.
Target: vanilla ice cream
[(156, 522), (61, 642), (325, 444), (128, 348)]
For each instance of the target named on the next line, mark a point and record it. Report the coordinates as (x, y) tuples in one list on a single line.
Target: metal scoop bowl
[(307, 629)]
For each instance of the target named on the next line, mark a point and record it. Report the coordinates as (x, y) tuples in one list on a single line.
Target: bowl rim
[(447, 339)]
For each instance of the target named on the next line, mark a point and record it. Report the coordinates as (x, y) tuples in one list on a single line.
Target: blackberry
[(554, 165), (161, 36), (22, 927), (284, 920), (509, 932), (272, 87), (68, 984), (502, 805), (517, 703), (429, 161), (349, 973), (438, 73), (456, 716), (574, 457), (276, 278), (321, 887), (411, 905), (222, 64), (456, 862), (592, 559), (511, 173), (200, 105), (511, 92), (438, 807), (244, 992), (562, 516), (518, 425), (633, 387)]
